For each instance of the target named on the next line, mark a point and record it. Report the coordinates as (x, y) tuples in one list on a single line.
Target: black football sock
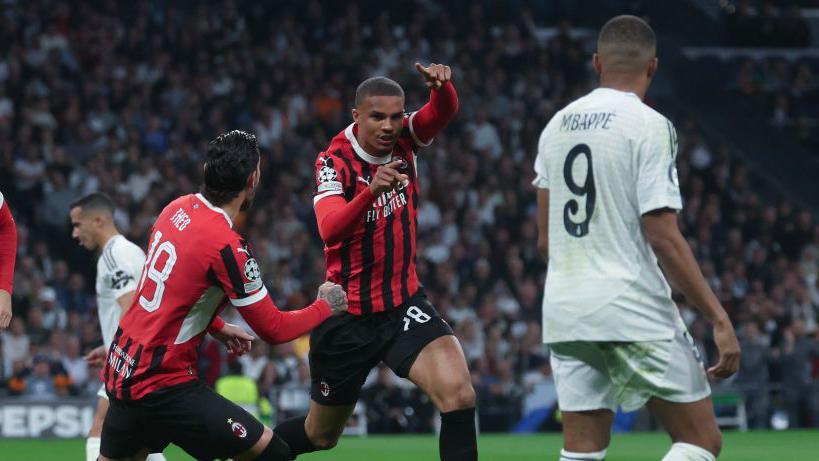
[(292, 431), (458, 440)]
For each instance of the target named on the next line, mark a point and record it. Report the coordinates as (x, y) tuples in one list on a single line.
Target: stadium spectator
[(388, 406), (44, 381), (16, 345), (753, 375), (797, 353)]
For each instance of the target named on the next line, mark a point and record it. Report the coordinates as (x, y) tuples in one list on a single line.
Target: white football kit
[(118, 270), (615, 333)]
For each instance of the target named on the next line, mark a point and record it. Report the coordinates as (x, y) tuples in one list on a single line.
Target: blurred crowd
[(125, 102), (767, 23), (785, 92)]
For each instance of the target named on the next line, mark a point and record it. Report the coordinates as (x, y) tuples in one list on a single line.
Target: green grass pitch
[(750, 446)]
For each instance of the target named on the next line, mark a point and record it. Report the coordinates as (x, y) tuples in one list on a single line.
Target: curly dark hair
[(231, 158)]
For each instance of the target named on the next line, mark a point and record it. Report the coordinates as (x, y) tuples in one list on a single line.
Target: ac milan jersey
[(376, 264), (195, 259)]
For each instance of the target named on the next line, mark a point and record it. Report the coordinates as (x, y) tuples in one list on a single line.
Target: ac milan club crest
[(324, 388), (238, 428)]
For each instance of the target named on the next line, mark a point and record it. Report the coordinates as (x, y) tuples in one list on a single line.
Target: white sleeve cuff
[(540, 182), (326, 194), (415, 136), (657, 203), (252, 299)]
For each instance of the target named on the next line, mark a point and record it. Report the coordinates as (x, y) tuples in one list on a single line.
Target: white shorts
[(602, 375), (102, 393)]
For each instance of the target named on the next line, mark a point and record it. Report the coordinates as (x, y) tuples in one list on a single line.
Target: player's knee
[(458, 397), (324, 441), (714, 443), (276, 450), (711, 440)]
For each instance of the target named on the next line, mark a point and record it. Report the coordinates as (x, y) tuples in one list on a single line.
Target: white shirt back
[(118, 270), (606, 159)]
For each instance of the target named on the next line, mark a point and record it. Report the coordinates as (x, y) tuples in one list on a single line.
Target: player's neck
[(106, 235), (233, 207), (625, 85)]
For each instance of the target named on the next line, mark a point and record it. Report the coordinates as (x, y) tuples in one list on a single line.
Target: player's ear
[(652, 67), (598, 66), (355, 115)]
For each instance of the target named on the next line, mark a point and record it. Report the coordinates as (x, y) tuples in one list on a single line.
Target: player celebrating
[(195, 259), (365, 203), (607, 213), (8, 254), (118, 268)]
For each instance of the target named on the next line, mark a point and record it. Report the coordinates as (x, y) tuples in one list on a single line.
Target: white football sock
[(570, 456), (688, 452), (155, 457), (92, 448)]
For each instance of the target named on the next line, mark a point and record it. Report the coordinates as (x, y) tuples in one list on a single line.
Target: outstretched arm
[(8, 255), (276, 326), (442, 105)]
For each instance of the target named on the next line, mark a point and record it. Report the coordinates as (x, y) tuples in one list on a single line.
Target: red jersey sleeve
[(434, 116), (276, 326), (337, 210), (331, 176), (237, 272), (8, 246), (239, 276)]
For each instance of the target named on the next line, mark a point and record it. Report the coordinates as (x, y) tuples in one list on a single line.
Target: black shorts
[(191, 415), (346, 347)]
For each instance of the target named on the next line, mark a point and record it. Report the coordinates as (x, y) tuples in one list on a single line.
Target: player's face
[(379, 119), (254, 185), (83, 228)]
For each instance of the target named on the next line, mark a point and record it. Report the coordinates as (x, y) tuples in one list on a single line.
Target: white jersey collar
[(361, 152), (110, 241), (215, 208), (613, 91)]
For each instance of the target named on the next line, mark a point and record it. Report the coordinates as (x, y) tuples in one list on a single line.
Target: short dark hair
[(95, 201), (230, 159), (377, 86), (627, 38)]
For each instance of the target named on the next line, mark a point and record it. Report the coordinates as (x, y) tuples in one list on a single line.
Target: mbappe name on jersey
[(586, 121)]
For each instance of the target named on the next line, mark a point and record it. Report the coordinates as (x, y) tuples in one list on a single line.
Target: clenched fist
[(334, 295)]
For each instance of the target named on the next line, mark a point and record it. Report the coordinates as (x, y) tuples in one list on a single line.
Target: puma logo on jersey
[(243, 250), (363, 180)]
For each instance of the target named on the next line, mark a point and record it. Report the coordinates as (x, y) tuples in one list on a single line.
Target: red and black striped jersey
[(376, 263), (195, 259)]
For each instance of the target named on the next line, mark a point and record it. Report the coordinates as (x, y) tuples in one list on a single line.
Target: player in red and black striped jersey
[(8, 254), (366, 202), (195, 261)]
